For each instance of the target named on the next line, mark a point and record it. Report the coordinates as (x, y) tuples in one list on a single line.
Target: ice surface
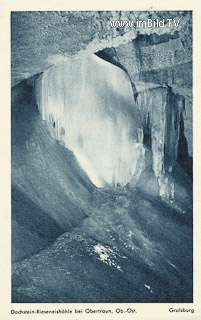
[(162, 109), (107, 255), (90, 104), (152, 104), (161, 113)]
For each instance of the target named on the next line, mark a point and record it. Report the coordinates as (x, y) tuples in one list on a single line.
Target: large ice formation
[(90, 104), (161, 112)]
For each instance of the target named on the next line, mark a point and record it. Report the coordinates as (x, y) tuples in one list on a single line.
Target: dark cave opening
[(183, 157)]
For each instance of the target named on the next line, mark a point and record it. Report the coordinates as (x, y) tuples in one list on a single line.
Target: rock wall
[(41, 39)]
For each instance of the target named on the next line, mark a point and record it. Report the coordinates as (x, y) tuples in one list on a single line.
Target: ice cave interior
[(101, 158)]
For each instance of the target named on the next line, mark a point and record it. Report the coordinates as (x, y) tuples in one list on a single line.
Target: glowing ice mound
[(90, 104)]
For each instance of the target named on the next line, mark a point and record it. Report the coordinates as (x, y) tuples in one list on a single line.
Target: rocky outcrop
[(41, 39)]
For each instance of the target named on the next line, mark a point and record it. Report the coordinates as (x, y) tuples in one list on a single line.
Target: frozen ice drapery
[(90, 104), (161, 113)]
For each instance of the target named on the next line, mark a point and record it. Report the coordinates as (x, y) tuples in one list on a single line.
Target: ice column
[(90, 104), (152, 104), (161, 111)]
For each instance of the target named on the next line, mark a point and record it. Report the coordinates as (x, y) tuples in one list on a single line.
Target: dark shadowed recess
[(49, 189), (183, 158)]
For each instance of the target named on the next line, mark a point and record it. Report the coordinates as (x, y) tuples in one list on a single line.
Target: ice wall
[(152, 104), (90, 104), (161, 112)]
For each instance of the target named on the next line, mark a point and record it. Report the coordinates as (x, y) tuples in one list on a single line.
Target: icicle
[(152, 104), (163, 110), (172, 191), (170, 169), (90, 104)]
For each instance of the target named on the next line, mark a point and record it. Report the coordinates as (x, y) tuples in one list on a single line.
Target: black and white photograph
[(102, 156), (101, 163)]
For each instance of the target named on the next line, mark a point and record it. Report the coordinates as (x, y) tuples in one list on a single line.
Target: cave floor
[(134, 247)]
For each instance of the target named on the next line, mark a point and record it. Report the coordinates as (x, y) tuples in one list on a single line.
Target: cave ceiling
[(41, 39)]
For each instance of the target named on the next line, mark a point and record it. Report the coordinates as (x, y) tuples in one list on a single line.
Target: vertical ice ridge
[(161, 113), (90, 104), (152, 104)]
